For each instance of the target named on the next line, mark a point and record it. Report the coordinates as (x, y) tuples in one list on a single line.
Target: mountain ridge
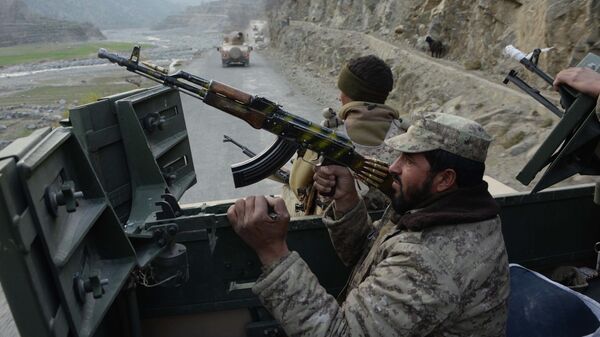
[(110, 13), (20, 25)]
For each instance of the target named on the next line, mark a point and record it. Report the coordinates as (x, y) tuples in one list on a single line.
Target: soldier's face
[(412, 181)]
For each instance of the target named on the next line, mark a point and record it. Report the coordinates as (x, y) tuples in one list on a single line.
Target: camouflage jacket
[(442, 281)]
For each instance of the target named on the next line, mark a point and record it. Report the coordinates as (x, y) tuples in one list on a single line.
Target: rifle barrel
[(149, 71)]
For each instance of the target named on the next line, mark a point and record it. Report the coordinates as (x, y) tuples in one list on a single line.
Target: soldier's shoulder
[(464, 231)]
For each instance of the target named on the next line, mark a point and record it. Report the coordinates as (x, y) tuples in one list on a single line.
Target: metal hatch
[(136, 139), (158, 150), (74, 204), (138, 144), (65, 253)]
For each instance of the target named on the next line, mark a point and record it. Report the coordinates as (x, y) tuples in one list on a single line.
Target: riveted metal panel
[(75, 251)]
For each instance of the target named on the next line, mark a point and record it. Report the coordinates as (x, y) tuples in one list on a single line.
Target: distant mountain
[(110, 13), (19, 25)]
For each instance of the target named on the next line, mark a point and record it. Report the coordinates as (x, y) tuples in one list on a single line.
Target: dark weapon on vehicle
[(293, 132), (280, 175), (577, 133)]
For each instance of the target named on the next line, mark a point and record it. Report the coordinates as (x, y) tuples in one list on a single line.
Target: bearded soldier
[(434, 265)]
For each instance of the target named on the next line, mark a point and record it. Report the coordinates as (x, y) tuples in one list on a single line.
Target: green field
[(58, 51), (83, 93), (49, 95)]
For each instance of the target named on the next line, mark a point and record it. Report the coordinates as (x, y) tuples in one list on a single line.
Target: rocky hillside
[(467, 80), (19, 25), (474, 32)]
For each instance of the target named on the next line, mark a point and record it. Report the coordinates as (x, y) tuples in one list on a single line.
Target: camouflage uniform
[(444, 279)]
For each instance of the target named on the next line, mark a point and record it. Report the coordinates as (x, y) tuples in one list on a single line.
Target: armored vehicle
[(93, 241), (234, 50)]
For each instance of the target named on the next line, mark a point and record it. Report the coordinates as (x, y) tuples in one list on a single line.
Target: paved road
[(206, 126)]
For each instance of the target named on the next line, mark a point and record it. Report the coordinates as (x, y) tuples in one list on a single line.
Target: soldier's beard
[(403, 203)]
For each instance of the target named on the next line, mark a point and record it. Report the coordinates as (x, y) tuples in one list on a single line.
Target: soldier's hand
[(582, 79), (262, 222), (339, 178)]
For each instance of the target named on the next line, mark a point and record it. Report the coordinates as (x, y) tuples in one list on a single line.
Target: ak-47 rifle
[(293, 132)]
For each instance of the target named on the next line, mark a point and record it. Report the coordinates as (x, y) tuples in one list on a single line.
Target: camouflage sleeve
[(349, 233), (407, 294)]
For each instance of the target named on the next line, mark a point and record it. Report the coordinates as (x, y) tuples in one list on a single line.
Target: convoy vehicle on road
[(235, 50)]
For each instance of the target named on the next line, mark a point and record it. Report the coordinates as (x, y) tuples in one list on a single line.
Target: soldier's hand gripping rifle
[(293, 132)]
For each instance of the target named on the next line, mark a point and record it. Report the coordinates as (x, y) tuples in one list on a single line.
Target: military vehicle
[(234, 50), (93, 241)]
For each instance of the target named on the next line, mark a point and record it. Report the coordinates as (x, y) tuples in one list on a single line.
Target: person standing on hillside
[(365, 83), (434, 265)]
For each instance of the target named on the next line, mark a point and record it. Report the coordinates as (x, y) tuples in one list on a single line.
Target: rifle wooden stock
[(230, 92), (256, 119)]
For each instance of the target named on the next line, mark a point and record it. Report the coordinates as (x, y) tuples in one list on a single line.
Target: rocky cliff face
[(18, 25), (467, 80), (474, 31)]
